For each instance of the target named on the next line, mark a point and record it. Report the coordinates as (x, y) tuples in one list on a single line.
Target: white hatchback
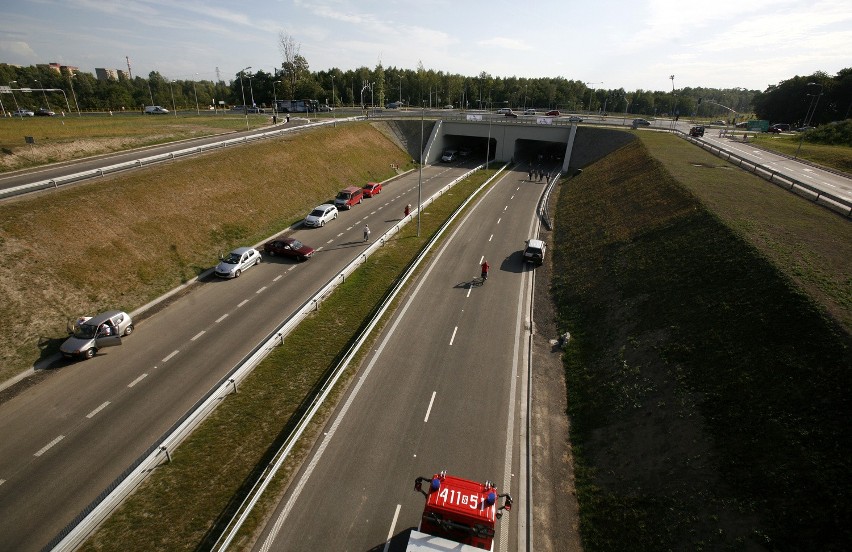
[(320, 215), (237, 261)]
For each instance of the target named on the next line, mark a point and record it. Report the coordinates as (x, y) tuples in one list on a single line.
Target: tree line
[(786, 102)]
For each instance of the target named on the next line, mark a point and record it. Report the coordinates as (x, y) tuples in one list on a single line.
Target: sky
[(630, 44)]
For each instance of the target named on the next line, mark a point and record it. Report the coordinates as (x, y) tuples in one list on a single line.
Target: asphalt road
[(67, 438), (443, 388)]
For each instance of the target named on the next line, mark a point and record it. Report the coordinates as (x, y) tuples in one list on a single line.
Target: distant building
[(106, 74), (123, 75), (63, 69)]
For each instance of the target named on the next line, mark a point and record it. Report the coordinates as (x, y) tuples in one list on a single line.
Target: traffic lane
[(823, 180), (165, 338), (426, 402)]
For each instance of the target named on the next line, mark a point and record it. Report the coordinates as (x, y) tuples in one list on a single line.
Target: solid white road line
[(392, 527), (92, 414), (429, 409), (49, 445)]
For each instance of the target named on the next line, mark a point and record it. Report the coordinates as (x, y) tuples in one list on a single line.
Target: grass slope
[(709, 396), (147, 231)]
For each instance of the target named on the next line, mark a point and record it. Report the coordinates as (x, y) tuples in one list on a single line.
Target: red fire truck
[(457, 510)]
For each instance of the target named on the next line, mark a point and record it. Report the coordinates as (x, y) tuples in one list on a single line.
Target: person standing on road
[(366, 233), (485, 266), (408, 209)]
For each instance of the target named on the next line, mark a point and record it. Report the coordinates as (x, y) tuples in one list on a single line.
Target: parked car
[(553, 113), (534, 251), (237, 261), (44, 112), (696, 131), (288, 247), (448, 106), (255, 109), (320, 215), (22, 113), (575, 119), (529, 112), (88, 334), (449, 156), (640, 122), (372, 188), (719, 122), (349, 197)]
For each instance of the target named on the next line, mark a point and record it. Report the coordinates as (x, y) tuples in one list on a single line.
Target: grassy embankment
[(709, 371), (181, 504), (148, 231), (72, 137)]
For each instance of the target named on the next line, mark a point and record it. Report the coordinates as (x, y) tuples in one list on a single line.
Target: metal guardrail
[(145, 161), (84, 523), (803, 189)]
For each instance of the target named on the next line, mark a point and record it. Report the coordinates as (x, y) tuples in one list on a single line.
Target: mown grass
[(72, 137), (707, 387), (146, 232), (183, 505)]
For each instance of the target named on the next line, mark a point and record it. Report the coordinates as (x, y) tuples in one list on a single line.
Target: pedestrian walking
[(529, 174), (366, 233), (485, 266), (408, 209)]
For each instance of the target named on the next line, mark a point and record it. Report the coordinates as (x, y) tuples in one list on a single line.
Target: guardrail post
[(168, 456), (233, 382)]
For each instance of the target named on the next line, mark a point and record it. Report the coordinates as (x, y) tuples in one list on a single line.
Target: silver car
[(88, 334), (237, 261), (320, 215)]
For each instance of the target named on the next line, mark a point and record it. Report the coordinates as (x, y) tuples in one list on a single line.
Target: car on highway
[(448, 106), (504, 110), (320, 215), (534, 251), (511, 113), (575, 119), (288, 247), (778, 128), (88, 334), (237, 261), (529, 112), (696, 131), (255, 109), (155, 110), (553, 113), (372, 188), (719, 122), (44, 112), (641, 122), (22, 113)]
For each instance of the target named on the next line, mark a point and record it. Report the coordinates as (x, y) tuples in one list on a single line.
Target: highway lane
[(67, 438), (441, 389)]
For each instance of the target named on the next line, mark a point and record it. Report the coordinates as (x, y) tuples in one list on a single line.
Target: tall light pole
[(400, 88), (149, 91), (43, 93), (195, 92), (12, 90), (172, 93), (420, 179), (808, 116), (674, 113), (591, 93), (251, 90), (275, 98), (243, 88), (71, 84), (815, 104)]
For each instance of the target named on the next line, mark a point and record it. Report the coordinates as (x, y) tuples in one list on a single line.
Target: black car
[(696, 131), (44, 112)]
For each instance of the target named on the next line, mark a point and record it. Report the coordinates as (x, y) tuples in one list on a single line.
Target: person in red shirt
[(485, 267)]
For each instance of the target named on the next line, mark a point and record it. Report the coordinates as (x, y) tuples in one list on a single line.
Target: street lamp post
[(275, 98), (251, 90), (815, 103), (243, 88), (172, 93), (674, 111), (195, 92), (591, 93), (71, 84), (12, 90), (150, 92), (47, 103)]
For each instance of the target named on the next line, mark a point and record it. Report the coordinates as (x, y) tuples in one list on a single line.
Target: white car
[(575, 119), (23, 113), (504, 110), (88, 334), (237, 261), (529, 112), (320, 215)]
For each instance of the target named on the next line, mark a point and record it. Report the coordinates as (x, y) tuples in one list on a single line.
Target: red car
[(553, 113), (288, 247), (372, 188)]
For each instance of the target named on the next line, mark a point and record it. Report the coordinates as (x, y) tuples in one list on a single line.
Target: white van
[(155, 109)]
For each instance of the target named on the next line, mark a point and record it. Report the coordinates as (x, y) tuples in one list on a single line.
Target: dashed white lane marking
[(224, 316), (172, 354), (392, 527), (2, 481), (137, 380), (498, 220), (490, 237), (350, 228), (428, 410), (94, 412), (199, 334), (340, 234), (260, 290), (454, 335), (504, 208), (294, 266), (319, 248), (329, 241), (49, 445), (243, 302), (280, 276)]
